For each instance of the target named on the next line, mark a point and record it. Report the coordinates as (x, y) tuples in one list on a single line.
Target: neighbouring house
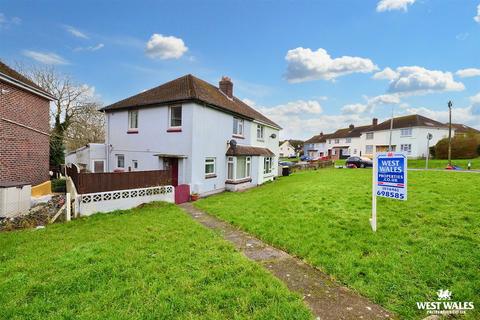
[(409, 135), (463, 130), (206, 136), (89, 158), (24, 129), (286, 149)]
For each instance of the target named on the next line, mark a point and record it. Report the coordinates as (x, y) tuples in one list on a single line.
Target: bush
[(462, 147), (59, 185)]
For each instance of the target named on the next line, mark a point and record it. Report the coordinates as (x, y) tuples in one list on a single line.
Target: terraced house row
[(409, 135)]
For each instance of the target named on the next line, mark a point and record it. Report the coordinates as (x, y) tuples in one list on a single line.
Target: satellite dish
[(429, 136), (273, 136), (233, 143)]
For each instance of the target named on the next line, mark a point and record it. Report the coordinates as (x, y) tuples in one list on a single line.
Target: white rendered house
[(210, 139), (91, 157), (409, 135), (286, 149)]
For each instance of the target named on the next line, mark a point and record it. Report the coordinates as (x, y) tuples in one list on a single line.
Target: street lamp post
[(450, 104), (429, 137)]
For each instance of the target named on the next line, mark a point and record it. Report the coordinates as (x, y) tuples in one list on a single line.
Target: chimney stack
[(351, 127), (374, 121), (226, 86)]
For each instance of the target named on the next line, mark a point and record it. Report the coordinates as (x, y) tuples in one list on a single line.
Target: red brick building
[(24, 129)]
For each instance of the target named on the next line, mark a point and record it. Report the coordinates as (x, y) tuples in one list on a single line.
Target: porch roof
[(249, 151), (166, 155)]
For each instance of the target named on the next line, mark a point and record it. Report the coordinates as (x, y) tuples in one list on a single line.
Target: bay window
[(238, 168)]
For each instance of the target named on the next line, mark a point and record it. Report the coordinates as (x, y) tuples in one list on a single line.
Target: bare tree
[(86, 126), (73, 104)]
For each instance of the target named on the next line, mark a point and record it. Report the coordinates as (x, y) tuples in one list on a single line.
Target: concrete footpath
[(326, 298)]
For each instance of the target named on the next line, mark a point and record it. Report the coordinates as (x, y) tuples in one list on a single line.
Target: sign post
[(389, 180)]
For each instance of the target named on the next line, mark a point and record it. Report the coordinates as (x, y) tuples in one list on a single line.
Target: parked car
[(359, 162), (286, 163), (305, 158)]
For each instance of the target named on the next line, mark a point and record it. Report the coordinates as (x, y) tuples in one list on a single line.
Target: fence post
[(68, 207)]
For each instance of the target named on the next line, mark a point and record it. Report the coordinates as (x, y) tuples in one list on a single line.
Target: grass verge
[(430, 242), (148, 263)]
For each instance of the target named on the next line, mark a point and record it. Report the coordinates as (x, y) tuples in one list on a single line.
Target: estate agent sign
[(389, 180)]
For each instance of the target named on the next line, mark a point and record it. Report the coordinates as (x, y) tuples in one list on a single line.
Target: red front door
[(172, 165)]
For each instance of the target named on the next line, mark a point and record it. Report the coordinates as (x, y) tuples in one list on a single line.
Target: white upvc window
[(230, 168), (406, 132), (267, 165), (369, 149), (239, 168), (134, 164), (337, 141), (120, 161), (369, 135), (175, 116), (238, 127), (260, 132), (210, 167), (407, 148), (348, 140), (133, 120)]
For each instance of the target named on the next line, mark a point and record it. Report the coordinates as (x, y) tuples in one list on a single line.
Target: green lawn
[(434, 163), (430, 242), (441, 164), (149, 263)]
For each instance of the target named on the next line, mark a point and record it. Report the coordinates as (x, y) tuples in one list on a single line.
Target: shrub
[(462, 147), (59, 185)]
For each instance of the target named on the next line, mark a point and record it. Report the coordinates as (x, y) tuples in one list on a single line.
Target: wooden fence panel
[(111, 181)]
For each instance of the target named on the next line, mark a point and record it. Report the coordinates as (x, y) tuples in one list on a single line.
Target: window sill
[(268, 175), (174, 130), (238, 136), (210, 176), (260, 140), (239, 181), (119, 170), (132, 131)]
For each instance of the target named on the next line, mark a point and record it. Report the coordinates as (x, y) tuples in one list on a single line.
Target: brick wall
[(24, 153)]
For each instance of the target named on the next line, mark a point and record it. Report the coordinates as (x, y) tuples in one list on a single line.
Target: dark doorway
[(172, 165)]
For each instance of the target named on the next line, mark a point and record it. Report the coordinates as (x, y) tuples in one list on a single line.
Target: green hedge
[(59, 185), (462, 147)]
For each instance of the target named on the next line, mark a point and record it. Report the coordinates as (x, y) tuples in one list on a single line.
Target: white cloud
[(475, 99), (354, 108), (45, 57), (75, 32), (477, 17), (469, 72), (165, 47), (90, 48), (369, 106), (6, 22), (468, 115), (385, 74), (299, 107), (414, 80), (388, 5), (305, 65)]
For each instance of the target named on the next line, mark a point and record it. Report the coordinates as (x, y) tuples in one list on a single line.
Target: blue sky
[(310, 65)]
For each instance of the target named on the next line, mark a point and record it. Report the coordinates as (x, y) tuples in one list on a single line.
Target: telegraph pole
[(450, 104), (391, 129)]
